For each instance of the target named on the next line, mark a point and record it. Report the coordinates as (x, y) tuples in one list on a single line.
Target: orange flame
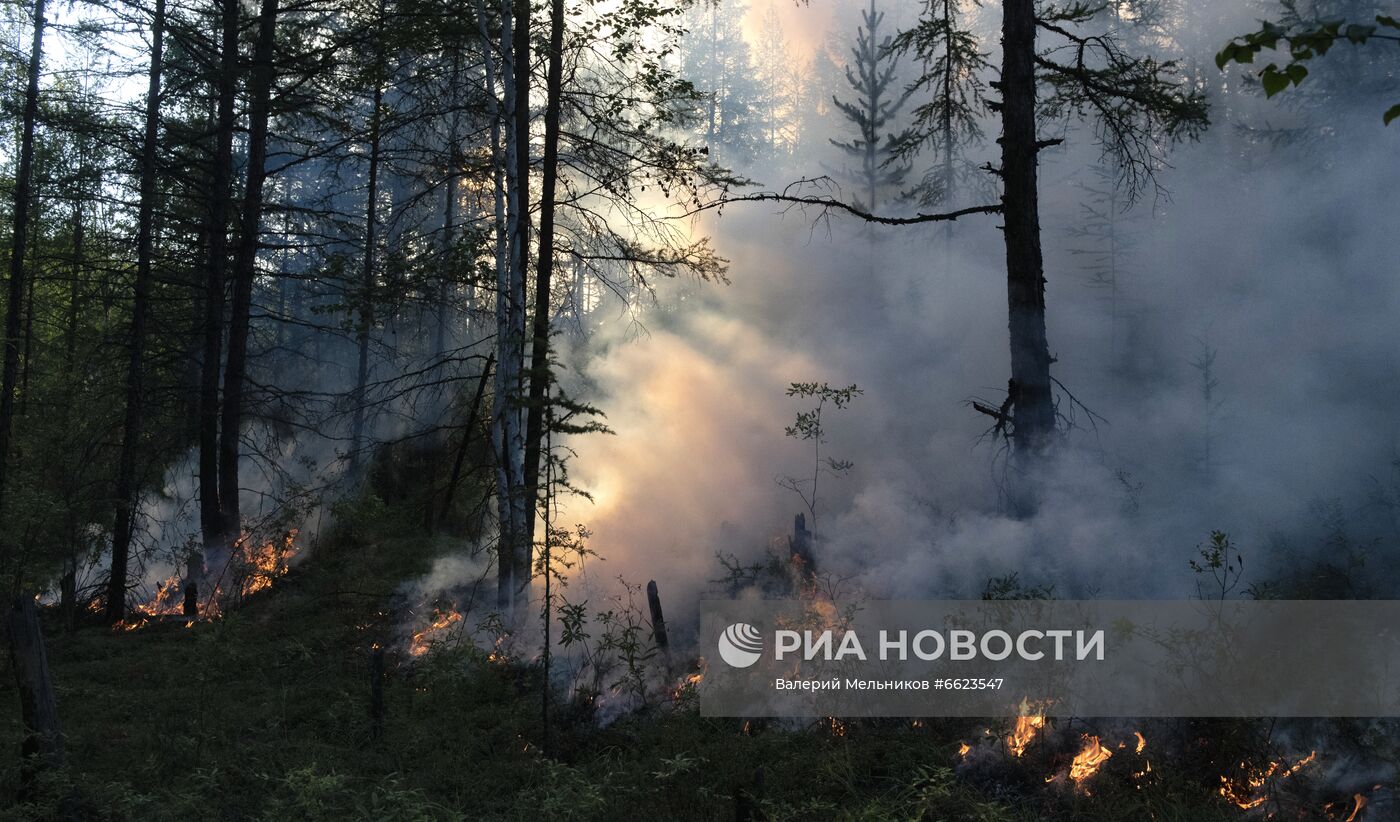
[(424, 639), (254, 569), (687, 685), (1026, 728), (1141, 742), (963, 749), (1250, 792), (1089, 760)]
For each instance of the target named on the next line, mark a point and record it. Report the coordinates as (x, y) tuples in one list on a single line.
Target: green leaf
[(1296, 73), (1387, 21), (1273, 80), (1392, 113)]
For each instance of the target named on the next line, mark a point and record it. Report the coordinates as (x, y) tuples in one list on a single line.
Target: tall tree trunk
[(140, 307), (1033, 411), (245, 271), (544, 273), (449, 213), (507, 432), (215, 531), (366, 324), (30, 285), (14, 310)]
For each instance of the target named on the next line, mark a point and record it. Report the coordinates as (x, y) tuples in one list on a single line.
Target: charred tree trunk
[(245, 271), (800, 546), (42, 747), (544, 271), (215, 531), (140, 307), (14, 310), (1033, 409)]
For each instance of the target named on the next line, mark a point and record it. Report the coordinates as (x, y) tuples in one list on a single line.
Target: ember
[(424, 639), (1251, 791)]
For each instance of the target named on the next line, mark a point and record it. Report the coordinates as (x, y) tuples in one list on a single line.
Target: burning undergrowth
[(252, 566), (617, 658), (1258, 768)]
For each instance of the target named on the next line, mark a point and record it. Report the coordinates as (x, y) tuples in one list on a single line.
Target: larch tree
[(20, 228), (1136, 107), (871, 113), (134, 417)]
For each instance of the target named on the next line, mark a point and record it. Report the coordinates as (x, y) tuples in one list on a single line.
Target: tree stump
[(42, 746)]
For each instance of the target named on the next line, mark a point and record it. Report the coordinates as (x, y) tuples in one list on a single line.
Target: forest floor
[(264, 714)]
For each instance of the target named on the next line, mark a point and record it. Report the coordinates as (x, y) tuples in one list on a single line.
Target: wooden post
[(376, 693), (42, 748), (658, 625)]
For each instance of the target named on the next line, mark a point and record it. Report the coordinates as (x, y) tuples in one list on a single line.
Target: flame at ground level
[(1249, 792), (1088, 761), (252, 567)]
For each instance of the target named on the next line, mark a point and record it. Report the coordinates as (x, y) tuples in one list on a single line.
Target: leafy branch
[(1304, 41)]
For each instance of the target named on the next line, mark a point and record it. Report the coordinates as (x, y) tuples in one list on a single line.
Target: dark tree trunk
[(214, 529), (140, 307), (42, 746), (1033, 410), (467, 432), (245, 271), (366, 325), (544, 273), (449, 215), (658, 619), (14, 311)]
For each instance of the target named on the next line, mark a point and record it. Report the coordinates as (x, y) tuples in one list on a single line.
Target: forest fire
[(1251, 791), (424, 639), (251, 569), (264, 563), (686, 686), (1353, 810), (1024, 733), (1088, 761)]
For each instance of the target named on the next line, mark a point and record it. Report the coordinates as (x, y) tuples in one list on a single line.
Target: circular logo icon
[(740, 645)]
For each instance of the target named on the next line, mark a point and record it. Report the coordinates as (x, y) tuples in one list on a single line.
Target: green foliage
[(1220, 567), (807, 426), (1304, 41)]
